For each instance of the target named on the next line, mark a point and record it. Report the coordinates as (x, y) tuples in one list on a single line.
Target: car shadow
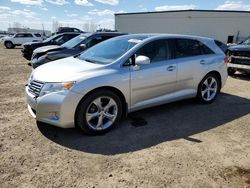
[(156, 125)]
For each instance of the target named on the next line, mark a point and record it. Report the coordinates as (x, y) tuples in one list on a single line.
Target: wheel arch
[(214, 72), (8, 41), (110, 88)]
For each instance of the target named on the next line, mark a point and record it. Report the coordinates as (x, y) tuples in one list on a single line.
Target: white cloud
[(175, 7), (234, 5), (83, 3), (53, 17), (29, 2), (109, 2), (2, 8), (101, 13), (25, 12), (58, 2), (72, 15), (106, 23)]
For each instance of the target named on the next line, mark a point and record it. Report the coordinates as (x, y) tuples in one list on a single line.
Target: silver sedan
[(96, 88)]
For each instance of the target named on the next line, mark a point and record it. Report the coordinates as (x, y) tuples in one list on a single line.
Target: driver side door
[(156, 80)]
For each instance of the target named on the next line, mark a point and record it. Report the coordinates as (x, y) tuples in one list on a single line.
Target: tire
[(9, 45), (99, 120), (231, 71), (208, 89)]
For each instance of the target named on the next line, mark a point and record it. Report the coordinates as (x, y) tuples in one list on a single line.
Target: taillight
[(227, 59)]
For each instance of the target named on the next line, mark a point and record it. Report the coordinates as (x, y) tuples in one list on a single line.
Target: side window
[(156, 51), (37, 35), (19, 35), (76, 30), (187, 48), (28, 35)]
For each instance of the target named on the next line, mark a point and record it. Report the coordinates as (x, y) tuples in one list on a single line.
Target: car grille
[(35, 87), (241, 61), (240, 53)]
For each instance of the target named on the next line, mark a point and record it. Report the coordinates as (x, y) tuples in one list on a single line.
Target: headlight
[(55, 87)]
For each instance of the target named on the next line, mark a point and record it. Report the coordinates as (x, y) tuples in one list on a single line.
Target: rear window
[(218, 43), (189, 47)]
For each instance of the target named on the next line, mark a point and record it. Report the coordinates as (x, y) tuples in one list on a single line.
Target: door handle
[(203, 62), (171, 68)]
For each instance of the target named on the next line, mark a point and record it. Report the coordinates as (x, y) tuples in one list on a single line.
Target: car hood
[(6, 38), (67, 69), (47, 49), (240, 48)]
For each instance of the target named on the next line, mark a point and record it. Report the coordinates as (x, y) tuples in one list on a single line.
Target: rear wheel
[(99, 112), (231, 71), (9, 44), (208, 89)]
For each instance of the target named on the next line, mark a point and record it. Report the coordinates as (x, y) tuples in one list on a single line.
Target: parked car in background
[(67, 29), (239, 57), (20, 38), (59, 39), (72, 47), (124, 74)]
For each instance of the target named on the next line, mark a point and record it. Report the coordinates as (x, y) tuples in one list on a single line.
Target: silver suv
[(123, 74)]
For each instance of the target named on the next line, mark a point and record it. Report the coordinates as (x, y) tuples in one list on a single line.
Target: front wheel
[(9, 45), (99, 112), (208, 89)]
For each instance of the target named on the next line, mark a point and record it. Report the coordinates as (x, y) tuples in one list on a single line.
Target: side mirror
[(142, 60), (83, 47)]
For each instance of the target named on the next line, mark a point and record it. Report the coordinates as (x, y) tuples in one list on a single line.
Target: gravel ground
[(181, 144)]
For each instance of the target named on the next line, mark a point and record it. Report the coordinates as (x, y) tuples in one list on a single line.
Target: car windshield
[(50, 38), (247, 42), (108, 51), (75, 41)]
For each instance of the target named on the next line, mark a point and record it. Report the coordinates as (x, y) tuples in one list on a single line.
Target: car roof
[(64, 33), (163, 35)]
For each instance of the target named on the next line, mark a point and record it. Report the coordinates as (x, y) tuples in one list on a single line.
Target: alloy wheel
[(101, 113), (209, 89)]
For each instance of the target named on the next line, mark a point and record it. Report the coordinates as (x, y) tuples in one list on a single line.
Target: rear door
[(157, 78), (193, 59)]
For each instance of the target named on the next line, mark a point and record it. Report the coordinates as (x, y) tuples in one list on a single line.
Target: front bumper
[(57, 108), (26, 54), (38, 61), (239, 66)]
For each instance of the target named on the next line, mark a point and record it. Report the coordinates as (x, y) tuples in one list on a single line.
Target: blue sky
[(78, 13)]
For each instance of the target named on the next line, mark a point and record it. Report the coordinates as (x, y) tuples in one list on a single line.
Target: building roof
[(188, 10)]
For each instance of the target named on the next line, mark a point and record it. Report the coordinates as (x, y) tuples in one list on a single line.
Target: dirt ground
[(182, 144)]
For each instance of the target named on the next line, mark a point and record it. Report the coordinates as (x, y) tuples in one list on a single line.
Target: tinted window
[(187, 48), (19, 35), (28, 35), (205, 49), (37, 35), (156, 51)]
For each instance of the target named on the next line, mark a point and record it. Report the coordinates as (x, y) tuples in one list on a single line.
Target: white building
[(226, 26)]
